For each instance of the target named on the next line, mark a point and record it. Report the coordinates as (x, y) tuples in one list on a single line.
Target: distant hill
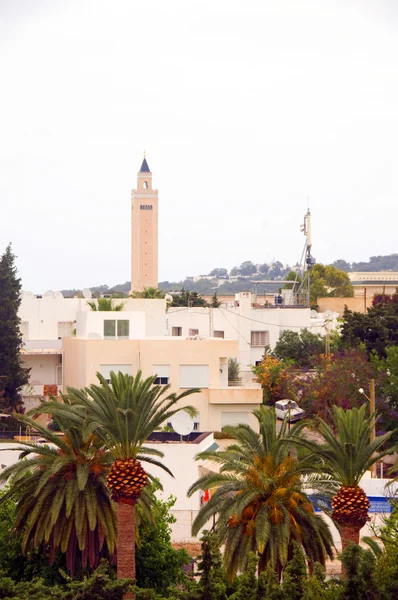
[(239, 278), (375, 263)]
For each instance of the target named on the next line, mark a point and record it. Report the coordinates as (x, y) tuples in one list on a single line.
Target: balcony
[(42, 347), (236, 395)]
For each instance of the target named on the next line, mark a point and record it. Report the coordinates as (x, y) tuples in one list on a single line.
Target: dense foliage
[(260, 498), (301, 347), (13, 374), (376, 330)]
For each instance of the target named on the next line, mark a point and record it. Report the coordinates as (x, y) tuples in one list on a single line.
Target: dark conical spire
[(144, 166)]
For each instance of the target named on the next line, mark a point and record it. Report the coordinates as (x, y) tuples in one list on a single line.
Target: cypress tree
[(13, 375)]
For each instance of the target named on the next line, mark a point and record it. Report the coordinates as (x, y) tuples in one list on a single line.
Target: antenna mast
[(303, 293)]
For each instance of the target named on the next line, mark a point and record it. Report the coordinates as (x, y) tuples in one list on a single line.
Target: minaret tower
[(144, 232)]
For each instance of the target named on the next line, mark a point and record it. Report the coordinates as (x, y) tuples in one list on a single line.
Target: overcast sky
[(245, 109)]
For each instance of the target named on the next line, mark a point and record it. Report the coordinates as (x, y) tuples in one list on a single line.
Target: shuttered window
[(234, 418), (105, 370), (163, 374), (259, 339), (218, 334), (194, 376), (193, 332)]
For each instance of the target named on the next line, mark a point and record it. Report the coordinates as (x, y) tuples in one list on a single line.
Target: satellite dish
[(182, 423), (49, 293), (329, 314), (168, 298), (59, 294), (87, 294)]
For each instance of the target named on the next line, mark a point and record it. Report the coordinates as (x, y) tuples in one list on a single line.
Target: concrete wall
[(44, 314), (43, 368), (238, 321), (90, 325), (82, 359)]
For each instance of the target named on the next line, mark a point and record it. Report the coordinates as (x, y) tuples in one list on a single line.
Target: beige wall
[(82, 359), (144, 234), (356, 304)]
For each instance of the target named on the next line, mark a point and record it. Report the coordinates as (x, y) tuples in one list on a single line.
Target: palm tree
[(123, 414), (260, 498), (148, 292), (61, 494), (347, 454), (106, 304)]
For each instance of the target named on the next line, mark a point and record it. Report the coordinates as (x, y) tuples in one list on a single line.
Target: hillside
[(239, 278)]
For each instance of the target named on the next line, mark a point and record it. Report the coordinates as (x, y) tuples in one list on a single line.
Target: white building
[(253, 326)]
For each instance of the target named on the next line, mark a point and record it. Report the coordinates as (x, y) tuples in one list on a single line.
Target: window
[(194, 376), (123, 329), (65, 329), (193, 332), (122, 326), (259, 339), (163, 374), (234, 418), (146, 207), (109, 329), (176, 331), (145, 185), (218, 334), (105, 370)]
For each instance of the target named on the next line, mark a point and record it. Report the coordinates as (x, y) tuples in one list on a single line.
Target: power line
[(233, 327), (263, 322)]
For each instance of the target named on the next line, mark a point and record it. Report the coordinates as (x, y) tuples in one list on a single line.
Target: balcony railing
[(235, 395)]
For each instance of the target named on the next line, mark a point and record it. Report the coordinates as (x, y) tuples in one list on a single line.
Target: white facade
[(52, 317), (48, 319), (100, 325), (242, 320)]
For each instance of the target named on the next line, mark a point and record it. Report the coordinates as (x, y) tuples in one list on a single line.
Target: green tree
[(13, 373), (358, 569), (342, 265), (212, 575), (219, 273), (295, 575), (303, 348), (215, 302), (347, 453), (148, 292), (329, 281), (123, 414), (186, 298), (106, 304), (336, 381), (233, 371), (294, 277), (260, 498), (376, 330), (158, 564), (61, 495), (247, 268)]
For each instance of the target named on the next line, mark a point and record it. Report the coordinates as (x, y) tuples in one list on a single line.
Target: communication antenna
[(303, 294), (182, 423)]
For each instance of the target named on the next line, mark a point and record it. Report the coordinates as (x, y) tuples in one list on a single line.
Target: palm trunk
[(126, 542), (349, 533)]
